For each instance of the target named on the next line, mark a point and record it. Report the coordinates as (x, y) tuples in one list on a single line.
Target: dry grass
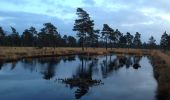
[(13, 53), (161, 62)]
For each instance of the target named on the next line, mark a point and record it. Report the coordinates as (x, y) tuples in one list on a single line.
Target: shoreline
[(161, 69)]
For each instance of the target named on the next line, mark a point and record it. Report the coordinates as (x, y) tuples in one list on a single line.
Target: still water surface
[(78, 77)]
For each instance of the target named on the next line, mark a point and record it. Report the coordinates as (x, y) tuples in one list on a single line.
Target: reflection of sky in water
[(24, 79)]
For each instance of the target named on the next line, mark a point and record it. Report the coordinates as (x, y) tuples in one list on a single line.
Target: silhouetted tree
[(64, 41), (129, 39), (112, 37), (49, 36), (2, 36), (83, 25), (168, 41), (93, 38), (27, 38), (122, 41), (144, 45), (34, 32), (152, 43), (164, 41), (116, 37), (137, 40), (14, 38), (71, 41), (106, 33)]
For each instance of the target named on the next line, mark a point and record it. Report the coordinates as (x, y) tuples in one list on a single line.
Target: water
[(78, 77)]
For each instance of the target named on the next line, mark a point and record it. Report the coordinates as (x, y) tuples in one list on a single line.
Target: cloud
[(24, 20), (89, 2)]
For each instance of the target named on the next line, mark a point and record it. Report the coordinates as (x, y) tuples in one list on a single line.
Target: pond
[(109, 77)]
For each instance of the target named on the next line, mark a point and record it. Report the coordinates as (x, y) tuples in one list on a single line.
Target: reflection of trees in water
[(128, 61), (13, 65), (48, 71), (29, 64), (1, 65), (136, 61), (51, 63), (69, 58), (110, 65), (82, 79), (104, 67), (46, 66)]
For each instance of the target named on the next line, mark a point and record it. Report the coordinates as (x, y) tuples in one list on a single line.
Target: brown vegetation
[(15, 53), (161, 63)]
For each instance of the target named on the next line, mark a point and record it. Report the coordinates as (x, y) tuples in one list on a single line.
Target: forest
[(87, 36)]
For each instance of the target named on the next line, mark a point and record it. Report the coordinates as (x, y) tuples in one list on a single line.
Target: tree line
[(47, 37), (87, 36), (108, 37)]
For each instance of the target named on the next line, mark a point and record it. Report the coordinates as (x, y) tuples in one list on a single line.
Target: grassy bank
[(15, 53), (161, 63)]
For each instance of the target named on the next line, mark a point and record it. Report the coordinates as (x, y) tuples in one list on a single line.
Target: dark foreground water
[(78, 77)]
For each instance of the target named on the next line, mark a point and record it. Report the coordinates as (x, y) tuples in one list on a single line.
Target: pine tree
[(49, 36), (71, 41), (95, 39), (122, 41), (129, 39), (106, 34), (164, 41), (137, 40), (33, 31), (83, 25), (14, 38), (27, 38), (2, 36), (152, 43)]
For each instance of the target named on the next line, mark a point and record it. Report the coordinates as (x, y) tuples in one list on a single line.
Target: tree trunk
[(106, 43), (111, 44), (85, 42), (82, 45)]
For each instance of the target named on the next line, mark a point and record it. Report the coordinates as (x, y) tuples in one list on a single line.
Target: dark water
[(78, 77)]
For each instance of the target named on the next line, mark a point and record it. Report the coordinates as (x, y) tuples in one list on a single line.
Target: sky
[(148, 17)]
